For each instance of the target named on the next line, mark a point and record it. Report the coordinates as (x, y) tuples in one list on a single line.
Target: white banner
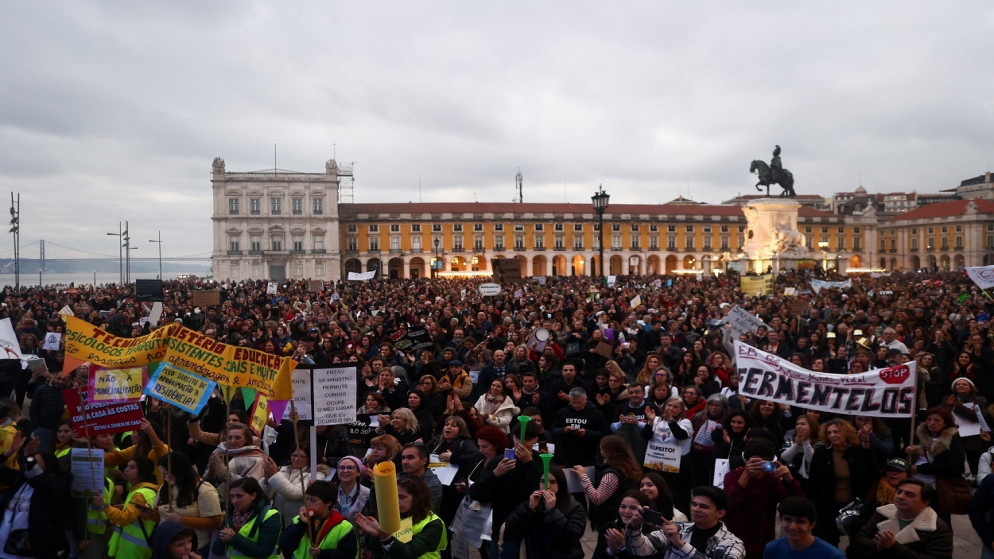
[(362, 276), (10, 348), (334, 395), (983, 276), (817, 285), (886, 392), (664, 457), (743, 321)]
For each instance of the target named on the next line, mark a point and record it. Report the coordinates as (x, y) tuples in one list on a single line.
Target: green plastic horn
[(523, 420), (546, 458)]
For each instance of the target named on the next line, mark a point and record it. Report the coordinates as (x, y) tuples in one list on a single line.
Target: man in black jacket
[(578, 430)]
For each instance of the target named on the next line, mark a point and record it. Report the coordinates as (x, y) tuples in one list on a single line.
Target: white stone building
[(276, 224)]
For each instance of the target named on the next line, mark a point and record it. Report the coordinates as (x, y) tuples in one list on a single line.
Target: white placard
[(52, 340), (155, 314), (489, 289), (635, 302), (721, 468), (333, 394), (66, 311), (663, 457), (301, 380), (10, 348), (444, 471), (271, 288), (87, 471), (611, 280), (362, 276)]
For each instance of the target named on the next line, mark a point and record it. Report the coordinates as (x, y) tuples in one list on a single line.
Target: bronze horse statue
[(785, 179)]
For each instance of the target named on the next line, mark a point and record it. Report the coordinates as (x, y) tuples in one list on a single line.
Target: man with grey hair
[(891, 342), (578, 429)]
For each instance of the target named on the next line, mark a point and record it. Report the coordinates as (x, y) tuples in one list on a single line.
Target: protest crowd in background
[(671, 408)]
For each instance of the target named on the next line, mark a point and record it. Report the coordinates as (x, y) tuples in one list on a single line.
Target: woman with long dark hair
[(655, 488), (428, 535), (618, 473), (550, 523), (195, 503)]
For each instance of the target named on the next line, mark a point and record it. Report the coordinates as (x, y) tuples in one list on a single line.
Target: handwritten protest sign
[(301, 395), (116, 385), (180, 388), (260, 413), (817, 285), (182, 348), (886, 392), (101, 418), (662, 457), (362, 276), (742, 321), (334, 395)]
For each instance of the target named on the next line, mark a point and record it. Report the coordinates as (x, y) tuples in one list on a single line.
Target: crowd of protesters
[(600, 381)]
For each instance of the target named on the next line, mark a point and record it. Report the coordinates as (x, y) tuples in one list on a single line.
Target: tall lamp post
[(159, 242), (120, 251), (15, 228), (435, 265), (600, 200), (127, 254)]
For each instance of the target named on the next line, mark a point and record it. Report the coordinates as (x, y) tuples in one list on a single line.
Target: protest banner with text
[(756, 285), (101, 419), (184, 349), (886, 392), (180, 388)]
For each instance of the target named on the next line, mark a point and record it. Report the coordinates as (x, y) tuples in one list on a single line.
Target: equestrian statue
[(774, 173)]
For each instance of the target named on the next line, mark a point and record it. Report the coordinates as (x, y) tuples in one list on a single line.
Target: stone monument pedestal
[(772, 235)]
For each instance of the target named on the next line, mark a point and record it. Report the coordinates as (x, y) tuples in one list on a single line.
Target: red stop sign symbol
[(895, 375)]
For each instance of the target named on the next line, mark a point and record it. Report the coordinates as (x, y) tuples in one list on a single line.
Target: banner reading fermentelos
[(886, 392), (182, 348)]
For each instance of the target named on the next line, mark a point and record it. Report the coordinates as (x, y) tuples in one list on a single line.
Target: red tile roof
[(952, 208), (539, 208)]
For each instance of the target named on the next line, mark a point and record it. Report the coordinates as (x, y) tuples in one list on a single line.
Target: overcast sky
[(114, 111)]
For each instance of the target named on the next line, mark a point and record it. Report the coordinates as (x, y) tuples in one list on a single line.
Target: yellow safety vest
[(96, 519), (130, 542), (233, 553), (341, 530), (443, 542)]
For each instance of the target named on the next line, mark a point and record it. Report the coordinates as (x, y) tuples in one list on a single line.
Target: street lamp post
[(127, 254), (120, 251), (15, 229), (159, 242), (600, 200), (437, 261)]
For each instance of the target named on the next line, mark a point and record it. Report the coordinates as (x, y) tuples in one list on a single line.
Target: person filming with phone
[(754, 491)]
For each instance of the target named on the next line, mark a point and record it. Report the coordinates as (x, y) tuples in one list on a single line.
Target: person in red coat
[(754, 492)]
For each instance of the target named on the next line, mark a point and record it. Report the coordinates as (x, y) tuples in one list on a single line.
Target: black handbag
[(18, 543)]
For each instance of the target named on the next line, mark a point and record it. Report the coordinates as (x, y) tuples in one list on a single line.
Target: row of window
[(373, 243), (275, 243), (518, 227), (276, 206)]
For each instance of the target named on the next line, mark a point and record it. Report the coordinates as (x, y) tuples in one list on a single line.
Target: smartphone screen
[(509, 453)]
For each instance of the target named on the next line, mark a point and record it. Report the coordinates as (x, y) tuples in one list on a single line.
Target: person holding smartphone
[(754, 492)]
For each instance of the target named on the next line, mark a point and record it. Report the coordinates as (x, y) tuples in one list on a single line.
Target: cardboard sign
[(183, 348), (333, 393), (315, 285), (506, 269), (108, 386), (149, 290), (180, 388), (205, 298), (101, 418), (260, 414)]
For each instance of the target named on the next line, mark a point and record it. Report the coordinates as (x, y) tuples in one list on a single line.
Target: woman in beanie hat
[(968, 409), (352, 495)]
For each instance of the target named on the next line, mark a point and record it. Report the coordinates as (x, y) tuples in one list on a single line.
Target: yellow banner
[(182, 348), (260, 413), (751, 285)]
